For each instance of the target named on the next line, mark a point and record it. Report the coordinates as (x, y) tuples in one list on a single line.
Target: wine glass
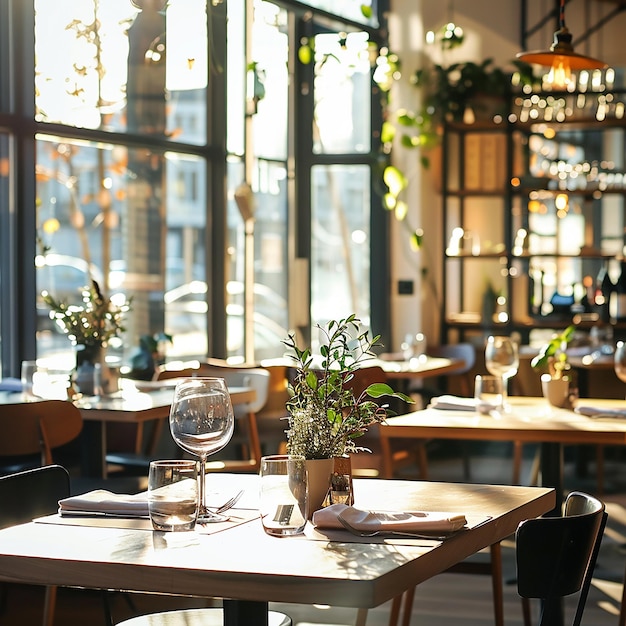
[(202, 423), (502, 359), (620, 360)]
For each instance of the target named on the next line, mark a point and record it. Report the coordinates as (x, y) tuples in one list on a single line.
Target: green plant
[(325, 417), (552, 357), (95, 322)]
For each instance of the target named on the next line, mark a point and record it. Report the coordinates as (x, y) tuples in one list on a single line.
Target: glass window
[(342, 94), (100, 218), (340, 259), (116, 73)]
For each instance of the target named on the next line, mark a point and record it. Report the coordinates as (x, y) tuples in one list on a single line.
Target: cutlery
[(229, 504), (374, 533)]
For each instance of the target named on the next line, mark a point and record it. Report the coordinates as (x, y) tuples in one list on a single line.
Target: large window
[(175, 156)]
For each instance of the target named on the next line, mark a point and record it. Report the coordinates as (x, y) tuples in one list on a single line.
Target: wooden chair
[(30, 494), (37, 428), (556, 557), (257, 378)]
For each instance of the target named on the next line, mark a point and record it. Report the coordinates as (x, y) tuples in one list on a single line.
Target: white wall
[(492, 30)]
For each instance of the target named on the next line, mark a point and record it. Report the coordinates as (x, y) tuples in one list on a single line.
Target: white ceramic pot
[(318, 481), (556, 390)]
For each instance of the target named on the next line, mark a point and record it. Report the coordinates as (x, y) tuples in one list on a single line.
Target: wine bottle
[(604, 289), (620, 293)]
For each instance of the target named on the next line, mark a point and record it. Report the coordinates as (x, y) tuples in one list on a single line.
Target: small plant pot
[(556, 391)]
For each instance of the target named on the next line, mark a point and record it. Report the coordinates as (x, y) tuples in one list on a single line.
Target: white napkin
[(411, 521), (454, 403), (102, 502), (595, 411)]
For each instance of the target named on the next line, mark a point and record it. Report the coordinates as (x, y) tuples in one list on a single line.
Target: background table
[(531, 420)]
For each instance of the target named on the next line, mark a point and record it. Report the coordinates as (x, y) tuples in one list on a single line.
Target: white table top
[(243, 563)]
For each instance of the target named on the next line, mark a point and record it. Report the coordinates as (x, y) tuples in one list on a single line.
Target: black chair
[(30, 494), (556, 557)]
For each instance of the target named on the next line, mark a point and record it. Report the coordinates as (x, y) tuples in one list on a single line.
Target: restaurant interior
[(190, 188)]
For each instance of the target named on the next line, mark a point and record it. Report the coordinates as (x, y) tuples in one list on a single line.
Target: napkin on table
[(594, 411), (454, 403), (102, 502), (412, 521)]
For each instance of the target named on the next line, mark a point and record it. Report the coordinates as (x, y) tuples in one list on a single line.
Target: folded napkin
[(411, 521), (596, 411), (102, 502), (454, 403)]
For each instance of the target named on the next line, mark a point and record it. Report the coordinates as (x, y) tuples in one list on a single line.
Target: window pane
[(101, 215), (342, 94), (348, 9), (5, 230), (270, 48), (340, 246), (115, 73)]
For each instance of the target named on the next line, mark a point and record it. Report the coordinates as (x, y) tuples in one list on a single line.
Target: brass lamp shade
[(561, 51)]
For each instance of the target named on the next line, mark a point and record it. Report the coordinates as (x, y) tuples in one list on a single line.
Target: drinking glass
[(283, 494), (502, 359), (173, 494), (489, 393), (202, 423)]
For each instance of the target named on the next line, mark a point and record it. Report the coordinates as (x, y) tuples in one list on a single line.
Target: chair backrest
[(366, 376), (33, 493), (462, 351), (38, 427), (556, 555)]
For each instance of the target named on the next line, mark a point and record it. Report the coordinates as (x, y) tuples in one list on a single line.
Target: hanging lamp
[(561, 57)]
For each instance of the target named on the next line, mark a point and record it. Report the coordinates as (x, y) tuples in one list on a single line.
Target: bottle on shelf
[(604, 289), (619, 308)]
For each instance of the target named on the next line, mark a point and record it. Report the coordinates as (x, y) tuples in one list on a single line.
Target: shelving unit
[(532, 209)]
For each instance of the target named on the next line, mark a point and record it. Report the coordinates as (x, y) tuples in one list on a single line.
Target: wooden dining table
[(419, 368), (248, 568), (137, 402), (529, 420)]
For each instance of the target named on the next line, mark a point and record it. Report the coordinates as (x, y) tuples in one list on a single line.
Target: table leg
[(245, 612), (552, 473), (93, 449)]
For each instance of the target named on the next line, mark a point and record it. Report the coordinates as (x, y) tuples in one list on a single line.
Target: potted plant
[(556, 377), (325, 417)]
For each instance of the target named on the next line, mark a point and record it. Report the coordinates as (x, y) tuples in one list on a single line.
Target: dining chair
[(556, 556), (246, 435), (32, 430), (196, 617), (27, 495)]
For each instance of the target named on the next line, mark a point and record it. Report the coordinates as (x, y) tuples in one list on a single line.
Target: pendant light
[(561, 57)]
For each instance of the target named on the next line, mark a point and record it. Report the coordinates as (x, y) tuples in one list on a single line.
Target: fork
[(229, 504), (374, 533)]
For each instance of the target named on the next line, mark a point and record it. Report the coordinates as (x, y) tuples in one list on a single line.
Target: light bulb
[(560, 75)]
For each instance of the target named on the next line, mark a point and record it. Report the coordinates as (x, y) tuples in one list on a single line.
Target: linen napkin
[(103, 502), (454, 403), (370, 521), (595, 411)]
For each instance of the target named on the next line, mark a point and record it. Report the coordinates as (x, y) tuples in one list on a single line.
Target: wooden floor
[(447, 600)]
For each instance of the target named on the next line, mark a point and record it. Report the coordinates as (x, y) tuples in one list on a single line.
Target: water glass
[(283, 494), (488, 393), (33, 379), (173, 495)]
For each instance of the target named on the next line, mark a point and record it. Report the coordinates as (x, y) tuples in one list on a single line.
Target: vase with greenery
[(326, 418), (90, 327)]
